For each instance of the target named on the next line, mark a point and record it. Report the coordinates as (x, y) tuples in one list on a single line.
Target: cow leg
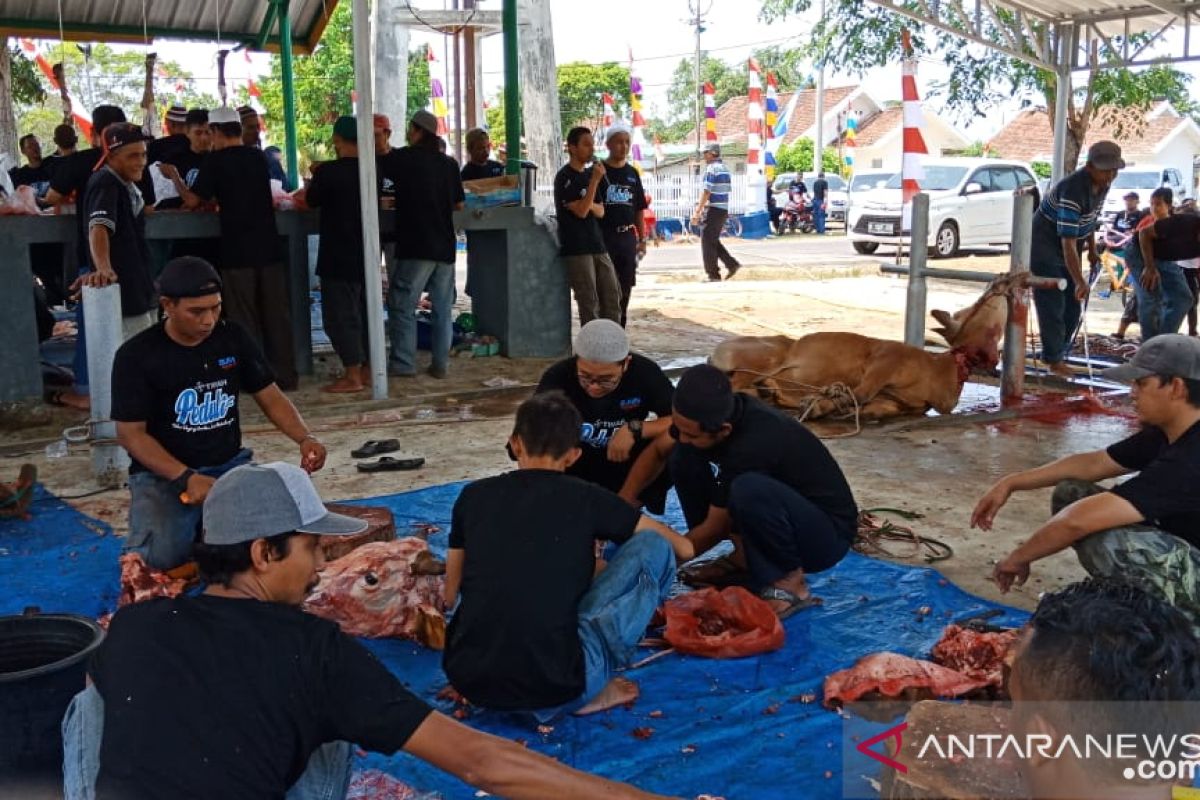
[(884, 408)]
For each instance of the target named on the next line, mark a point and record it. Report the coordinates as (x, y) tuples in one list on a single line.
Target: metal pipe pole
[(102, 327), (1062, 96), (470, 84), (457, 130), (289, 92), (1012, 376), (819, 141), (512, 90), (698, 88), (368, 195), (918, 252)]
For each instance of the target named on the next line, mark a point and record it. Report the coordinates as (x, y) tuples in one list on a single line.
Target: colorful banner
[(772, 118), (755, 118), (437, 96), (911, 171), (637, 150), (710, 113), (607, 120), (848, 152)]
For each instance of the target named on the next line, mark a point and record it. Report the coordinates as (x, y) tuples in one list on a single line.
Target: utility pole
[(697, 21), (819, 143)]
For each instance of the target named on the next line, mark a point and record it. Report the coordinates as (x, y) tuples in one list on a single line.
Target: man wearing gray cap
[(615, 392), (1064, 223), (237, 693), (1147, 529), (711, 212)]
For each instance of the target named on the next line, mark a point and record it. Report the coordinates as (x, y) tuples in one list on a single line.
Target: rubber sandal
[(376, 448), (718, 572), (389, 464), (795, 602)]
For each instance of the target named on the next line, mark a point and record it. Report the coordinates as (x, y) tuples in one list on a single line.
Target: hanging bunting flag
[(438, 102), (637, 139), (911, 171), (771, 143), (252, 89), (755, 174), (781, 124), (606, 120), (710, 113), (429, 56), (848, 155), (81, 116)]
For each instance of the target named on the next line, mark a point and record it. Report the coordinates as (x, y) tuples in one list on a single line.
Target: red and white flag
[(911, 172)]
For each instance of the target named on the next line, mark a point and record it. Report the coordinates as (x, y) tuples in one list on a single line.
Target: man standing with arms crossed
[(711, 212), (579, 191), (624, 201)]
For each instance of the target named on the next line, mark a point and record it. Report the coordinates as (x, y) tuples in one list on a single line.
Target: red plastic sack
[(730, 623)]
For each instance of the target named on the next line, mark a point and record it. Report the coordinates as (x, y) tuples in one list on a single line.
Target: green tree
[(858, 36), (581, 87), (682, 94), (798, 157), (323, 82)]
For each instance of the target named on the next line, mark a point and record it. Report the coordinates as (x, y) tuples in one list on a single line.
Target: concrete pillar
[(389, 44), (8, 120), (539, 103)]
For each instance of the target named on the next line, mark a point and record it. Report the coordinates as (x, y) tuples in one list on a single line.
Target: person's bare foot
[(1061, 369), (70, 399), (617, 692), (795, 584), (350, 383)]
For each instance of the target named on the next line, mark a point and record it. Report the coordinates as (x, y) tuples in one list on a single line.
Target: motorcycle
[(797, 215)]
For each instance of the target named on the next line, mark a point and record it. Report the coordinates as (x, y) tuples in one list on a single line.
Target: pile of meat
[(139, 582), (965, 662), (385, 589)]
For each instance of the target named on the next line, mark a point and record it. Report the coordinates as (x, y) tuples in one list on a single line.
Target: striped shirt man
[(717, 182), (1071, 209)]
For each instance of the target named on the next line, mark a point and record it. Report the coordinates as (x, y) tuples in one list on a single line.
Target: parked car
[(970, 204), (863, 182), (1143, 179), (838, 197)]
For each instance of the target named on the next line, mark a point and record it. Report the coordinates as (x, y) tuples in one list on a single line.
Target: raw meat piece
[(892, 675), (139, 582), (372, 784), (375, 592), (976, 655)]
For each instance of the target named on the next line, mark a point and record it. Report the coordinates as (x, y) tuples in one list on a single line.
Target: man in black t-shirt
[(615, 392), (747, 472), (579, 192), (165, 148), (820, 201), (251, 265), (479, 165), (46, 259), (175, 400), (428, 192), (537, 630), (624, 201), (334, 190), (238, 694), (34, 173), (116, 220), (1147, 529), (182, 166), (1167, 243)]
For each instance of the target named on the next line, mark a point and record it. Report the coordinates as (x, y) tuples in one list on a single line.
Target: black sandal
[(389, 464), (376, 448)]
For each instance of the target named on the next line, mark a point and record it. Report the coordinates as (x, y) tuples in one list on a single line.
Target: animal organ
[(891, 676)]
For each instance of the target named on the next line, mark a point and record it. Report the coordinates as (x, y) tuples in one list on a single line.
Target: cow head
[(976, 331)]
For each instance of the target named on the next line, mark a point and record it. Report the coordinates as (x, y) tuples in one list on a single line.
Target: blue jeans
[(614, 613), (406, 283), (327, 776), (819, 216), (161, 528), (1058, 312), (1164, 309)]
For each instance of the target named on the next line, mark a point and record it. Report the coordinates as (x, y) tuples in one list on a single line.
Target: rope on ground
[(874, 531), (844, 403)]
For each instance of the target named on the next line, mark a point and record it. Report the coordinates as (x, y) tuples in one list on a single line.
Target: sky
[(659, 34)]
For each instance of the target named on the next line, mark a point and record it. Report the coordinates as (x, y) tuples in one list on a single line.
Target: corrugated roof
[(1028, 137), (240, 21)]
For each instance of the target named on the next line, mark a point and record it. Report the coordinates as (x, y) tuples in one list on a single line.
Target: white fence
[(673, 196)]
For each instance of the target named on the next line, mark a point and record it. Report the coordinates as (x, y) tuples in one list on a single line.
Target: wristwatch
[(179, 485), (635, 427)]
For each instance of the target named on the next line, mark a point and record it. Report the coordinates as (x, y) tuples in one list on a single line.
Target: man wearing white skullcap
[(624, 201)]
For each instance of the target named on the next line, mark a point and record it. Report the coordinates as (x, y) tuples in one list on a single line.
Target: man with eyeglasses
[(1146, 530), (615, 391)]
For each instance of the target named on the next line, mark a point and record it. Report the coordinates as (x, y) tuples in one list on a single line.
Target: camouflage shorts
[(1155, 561)]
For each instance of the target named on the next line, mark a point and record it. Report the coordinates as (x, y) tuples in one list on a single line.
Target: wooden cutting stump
[(962, 778), (381, 527)]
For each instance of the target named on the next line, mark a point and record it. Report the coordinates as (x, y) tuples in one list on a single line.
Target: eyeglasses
[(600, 383)]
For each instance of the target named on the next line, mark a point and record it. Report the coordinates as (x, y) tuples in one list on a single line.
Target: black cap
[(705, 395), (118, 135), (188, 276)]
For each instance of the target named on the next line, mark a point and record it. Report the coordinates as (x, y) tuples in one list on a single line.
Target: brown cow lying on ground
[(819, 373)]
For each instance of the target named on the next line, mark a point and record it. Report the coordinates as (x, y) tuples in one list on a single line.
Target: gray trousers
[(593, 280), (1155, 561), (344, 311), (257, 299)]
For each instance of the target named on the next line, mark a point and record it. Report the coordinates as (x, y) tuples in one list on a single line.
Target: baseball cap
[(425, 121), (188, 276), (1105, 155), (255, 501), (713, 148), (223, 116), (613, 130), (602, 341), (176, 114), (118, 135), (1168, 354), (347, 128), (382, 123)]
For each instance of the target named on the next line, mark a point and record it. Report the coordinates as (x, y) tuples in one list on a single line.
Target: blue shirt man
[(711, 212)]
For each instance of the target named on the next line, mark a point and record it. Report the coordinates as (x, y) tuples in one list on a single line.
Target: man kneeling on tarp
[(537, 630), (237, 693), (1147, 529)]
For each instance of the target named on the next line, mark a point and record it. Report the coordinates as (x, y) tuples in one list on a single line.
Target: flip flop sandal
[(376, 448), (718, 572), (389, 464), (795, 602)]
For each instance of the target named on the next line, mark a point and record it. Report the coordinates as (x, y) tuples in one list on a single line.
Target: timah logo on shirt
[(228, 362), (630, 403), (191, 411)]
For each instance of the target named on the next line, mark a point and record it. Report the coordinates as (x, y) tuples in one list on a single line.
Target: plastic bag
[(23, 201), (730, 623)]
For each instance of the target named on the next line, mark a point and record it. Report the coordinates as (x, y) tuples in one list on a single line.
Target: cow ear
[(949, 324)]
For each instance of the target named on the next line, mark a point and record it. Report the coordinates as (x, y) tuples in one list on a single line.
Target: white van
[(1143, 179), (970, 204)]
